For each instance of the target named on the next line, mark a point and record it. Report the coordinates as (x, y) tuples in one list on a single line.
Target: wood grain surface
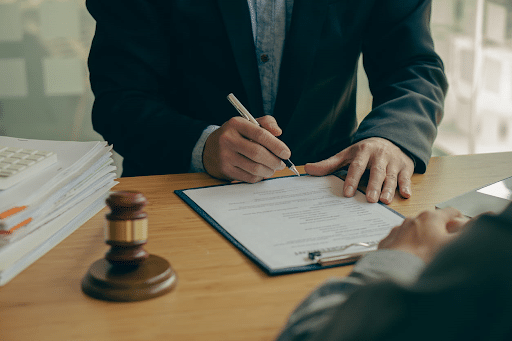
[(220, 295)]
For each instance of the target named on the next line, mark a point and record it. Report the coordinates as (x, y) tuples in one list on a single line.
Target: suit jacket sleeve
[(315, 312), (406, 78), (131, 75), (465, 293)]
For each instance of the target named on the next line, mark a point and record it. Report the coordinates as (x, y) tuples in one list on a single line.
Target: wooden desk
[(221, 295)]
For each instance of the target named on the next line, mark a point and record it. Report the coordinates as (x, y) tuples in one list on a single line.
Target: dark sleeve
[(465, 293), (316, 311), (131, 63), (406, 78)]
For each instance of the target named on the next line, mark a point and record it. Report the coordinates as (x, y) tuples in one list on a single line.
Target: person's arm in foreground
[(463, 292), (408, 85)]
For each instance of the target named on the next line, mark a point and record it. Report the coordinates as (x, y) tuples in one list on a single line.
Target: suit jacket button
[(264, 58)]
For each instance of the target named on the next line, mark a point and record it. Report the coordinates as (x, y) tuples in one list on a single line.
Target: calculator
[(18, 164)]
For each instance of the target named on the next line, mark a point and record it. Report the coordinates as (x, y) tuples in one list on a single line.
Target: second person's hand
[(240, 150), (425, 234)]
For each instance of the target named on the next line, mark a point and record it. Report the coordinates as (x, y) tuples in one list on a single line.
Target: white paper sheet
[(71, 156), (281, 220), (501, 189)]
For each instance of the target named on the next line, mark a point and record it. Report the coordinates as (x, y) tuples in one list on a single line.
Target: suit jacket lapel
[(238, 26), (300, 48)]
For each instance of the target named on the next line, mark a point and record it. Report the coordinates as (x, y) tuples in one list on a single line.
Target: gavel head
[(126, 230)]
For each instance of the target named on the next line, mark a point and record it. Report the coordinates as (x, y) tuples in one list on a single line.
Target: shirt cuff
[(401, 267), (196, 163)]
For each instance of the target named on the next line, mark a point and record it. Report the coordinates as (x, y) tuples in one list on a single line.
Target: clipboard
[(312, 257)]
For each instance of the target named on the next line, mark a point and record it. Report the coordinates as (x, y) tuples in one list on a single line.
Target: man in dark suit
[(161, 71), (433, 278)]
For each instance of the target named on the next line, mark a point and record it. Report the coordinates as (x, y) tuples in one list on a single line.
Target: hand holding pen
[(247, 115), (241, 150)]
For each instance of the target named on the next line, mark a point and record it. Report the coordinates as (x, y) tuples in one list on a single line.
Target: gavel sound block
[(128, 272)]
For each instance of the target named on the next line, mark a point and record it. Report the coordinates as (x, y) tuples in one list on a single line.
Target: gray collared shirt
[(270, 21)]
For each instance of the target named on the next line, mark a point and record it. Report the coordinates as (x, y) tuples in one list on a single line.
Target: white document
[(16, 250), (46, 208), (71, 156), (49, 241), (281, 220)]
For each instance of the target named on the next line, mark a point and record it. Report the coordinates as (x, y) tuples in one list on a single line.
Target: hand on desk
[(424, 235), (240, 150), (388, 165)]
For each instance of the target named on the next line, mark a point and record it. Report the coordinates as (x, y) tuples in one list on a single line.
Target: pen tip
[(295, 171)]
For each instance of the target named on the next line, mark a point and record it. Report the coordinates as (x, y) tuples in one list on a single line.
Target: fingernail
[(349, 191), (386, 196), (284, 154), (281, 166), (373, 195), (407, 191)]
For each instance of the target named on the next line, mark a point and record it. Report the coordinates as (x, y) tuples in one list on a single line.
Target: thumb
[(326, 166), (455, 220)]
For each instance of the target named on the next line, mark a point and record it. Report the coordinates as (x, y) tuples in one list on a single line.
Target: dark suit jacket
[(161, 70)]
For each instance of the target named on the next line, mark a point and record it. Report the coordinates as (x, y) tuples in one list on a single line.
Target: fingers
[(269, 123), (253, 171), (396, 176), (389, 168), (378, 172), (261, 137), (404, 181), (389, 186), (447, 220), (241, 150), (354, 174), (449, 213), (455, 220), (386, 243), (425, 234)]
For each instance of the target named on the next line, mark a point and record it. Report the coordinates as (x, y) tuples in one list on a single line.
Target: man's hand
[(240, 150), (388, 166), (424, 235)]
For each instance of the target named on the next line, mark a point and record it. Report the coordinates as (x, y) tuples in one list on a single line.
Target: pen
[(319, 257), (247, 115)]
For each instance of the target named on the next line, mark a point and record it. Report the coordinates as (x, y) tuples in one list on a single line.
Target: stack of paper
[(38, 213)]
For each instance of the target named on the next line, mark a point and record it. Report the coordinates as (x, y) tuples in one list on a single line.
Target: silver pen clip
[(332, 256)]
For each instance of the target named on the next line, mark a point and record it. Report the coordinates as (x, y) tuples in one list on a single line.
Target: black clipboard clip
[(335, 255)]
